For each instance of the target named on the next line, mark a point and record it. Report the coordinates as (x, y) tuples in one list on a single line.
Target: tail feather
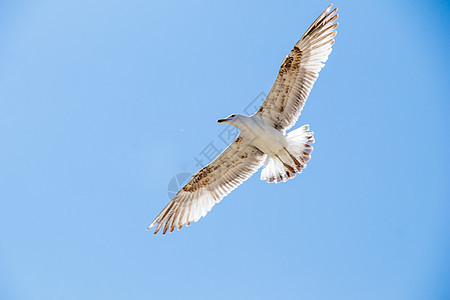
[(293, 159), (275, 171)]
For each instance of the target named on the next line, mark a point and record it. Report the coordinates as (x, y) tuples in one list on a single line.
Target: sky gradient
[(103, 103)]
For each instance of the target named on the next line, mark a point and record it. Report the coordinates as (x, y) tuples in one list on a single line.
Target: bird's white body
[(261, 135), (286, 154)]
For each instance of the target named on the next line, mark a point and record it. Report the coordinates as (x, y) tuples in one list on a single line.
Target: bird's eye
[(232, 116)]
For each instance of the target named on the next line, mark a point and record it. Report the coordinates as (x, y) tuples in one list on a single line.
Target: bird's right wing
[(298, 73), (209, 185)]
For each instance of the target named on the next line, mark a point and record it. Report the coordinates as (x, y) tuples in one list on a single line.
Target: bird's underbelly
[(267, 139), (271, 147)]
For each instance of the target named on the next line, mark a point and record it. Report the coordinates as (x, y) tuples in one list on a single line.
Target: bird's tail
[(292, 159)]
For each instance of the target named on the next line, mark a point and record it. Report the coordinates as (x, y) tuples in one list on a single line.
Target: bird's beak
[(222, 120)]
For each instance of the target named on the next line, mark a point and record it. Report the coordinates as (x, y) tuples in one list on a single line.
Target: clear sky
[(102, 103)]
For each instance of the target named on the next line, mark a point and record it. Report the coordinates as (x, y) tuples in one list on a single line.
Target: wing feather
[(209, 185), (299, 72)]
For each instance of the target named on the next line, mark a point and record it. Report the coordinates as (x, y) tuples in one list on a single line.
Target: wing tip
[(328, 9), (151, 225)]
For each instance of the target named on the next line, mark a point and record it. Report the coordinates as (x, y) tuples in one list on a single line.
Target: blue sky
[(103, 103)]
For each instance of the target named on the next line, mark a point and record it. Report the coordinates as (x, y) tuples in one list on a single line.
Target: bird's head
[(230, 119)]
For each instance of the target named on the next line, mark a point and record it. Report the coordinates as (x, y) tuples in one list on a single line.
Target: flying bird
[(263, 140)]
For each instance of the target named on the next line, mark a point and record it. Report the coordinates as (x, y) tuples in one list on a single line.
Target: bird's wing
[(298, 73), (209, 185)]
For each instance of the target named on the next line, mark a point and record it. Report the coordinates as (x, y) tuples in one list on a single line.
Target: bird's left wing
[(298, 72), (209, 185)]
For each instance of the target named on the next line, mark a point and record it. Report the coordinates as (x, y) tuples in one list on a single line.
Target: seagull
[(262, 140)]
